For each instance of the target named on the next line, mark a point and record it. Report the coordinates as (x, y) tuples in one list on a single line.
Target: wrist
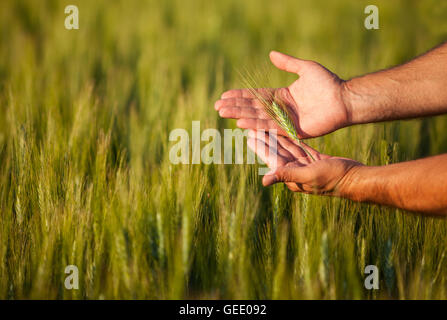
[(347, 97), (355, 183)]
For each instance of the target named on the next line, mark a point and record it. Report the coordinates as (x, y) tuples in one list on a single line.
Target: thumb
[(287, 174), (287, 63)]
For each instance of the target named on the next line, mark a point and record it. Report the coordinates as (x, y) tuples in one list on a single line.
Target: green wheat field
[(85, 176)]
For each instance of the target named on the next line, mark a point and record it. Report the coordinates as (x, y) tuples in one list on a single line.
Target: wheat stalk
[(277, 110)]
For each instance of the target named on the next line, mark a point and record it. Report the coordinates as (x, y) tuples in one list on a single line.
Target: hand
[(290, 164), (316, 100)]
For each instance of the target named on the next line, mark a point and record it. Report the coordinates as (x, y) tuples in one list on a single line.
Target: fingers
[(237, 93), (260, 124), (293, 187), (269, 155), (232, 112), (271, 142), (287, 63), (245, 106), (315, 154), (237, 102), (293, 148), (237, 113), (298, 187), (290, 146), (269, 179), (250, 113), (293, 173), (246, 93)]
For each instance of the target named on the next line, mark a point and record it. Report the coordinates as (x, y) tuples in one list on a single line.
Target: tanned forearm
[(415, 89), (419, 185)]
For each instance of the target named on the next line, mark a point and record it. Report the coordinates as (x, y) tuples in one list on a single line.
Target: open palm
[(315, 100)]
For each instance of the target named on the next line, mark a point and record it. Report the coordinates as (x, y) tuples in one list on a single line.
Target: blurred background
[(85, 177)]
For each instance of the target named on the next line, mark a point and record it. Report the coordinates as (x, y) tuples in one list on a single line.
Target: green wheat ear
[(274, 107), (280, 115)]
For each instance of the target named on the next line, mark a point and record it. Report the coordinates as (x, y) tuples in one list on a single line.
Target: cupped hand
[(291, 165), (316, 100)]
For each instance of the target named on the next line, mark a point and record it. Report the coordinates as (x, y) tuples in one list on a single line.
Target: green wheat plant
[(274, 107), (86, 179)]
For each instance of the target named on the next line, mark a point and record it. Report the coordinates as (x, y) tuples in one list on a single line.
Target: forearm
[(415, 89), (419, 185)]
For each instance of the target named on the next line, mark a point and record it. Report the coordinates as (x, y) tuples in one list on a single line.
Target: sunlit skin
[(290, 164), (321, 103), (321, 108)]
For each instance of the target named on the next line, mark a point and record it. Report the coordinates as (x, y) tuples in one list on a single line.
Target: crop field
[(85, 174)]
